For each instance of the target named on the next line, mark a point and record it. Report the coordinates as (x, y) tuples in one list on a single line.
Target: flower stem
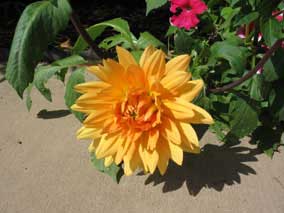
[(260, 64), (85, 35)]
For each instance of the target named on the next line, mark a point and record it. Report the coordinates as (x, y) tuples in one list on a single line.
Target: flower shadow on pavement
[(215, 167)]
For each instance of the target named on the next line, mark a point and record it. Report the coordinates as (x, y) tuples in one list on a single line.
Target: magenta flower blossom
[(189, 9)]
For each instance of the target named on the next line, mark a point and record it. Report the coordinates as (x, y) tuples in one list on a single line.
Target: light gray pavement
[(44, 169)]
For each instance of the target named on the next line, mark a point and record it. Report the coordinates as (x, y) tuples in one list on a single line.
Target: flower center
[(139, 111)]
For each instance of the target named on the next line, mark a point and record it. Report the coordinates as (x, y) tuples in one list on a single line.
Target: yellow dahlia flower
[(140, 114)]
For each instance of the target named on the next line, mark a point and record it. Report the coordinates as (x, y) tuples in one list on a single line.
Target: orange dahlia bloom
[(140, 114)]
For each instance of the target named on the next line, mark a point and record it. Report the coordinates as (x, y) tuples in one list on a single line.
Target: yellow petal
[(170, 131), (200, 115), (108, 145), (125, 58), (78, 108), (98, 117), (179, 109), (164, 156), (108, 161), (155, 65), (178, 63), (142, 152), (121, 150), (93, 86), (127, 147), (153, 139), (93, 146), (84, 133), (189, 138), (98, 72), (176, 153), (174, 80), (130, 165), (135, 76), (190, 90), (152, 158), (146, 54)]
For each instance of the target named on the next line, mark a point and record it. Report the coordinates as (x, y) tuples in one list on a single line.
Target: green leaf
[(268, 139), (183, 42), (274, 67), (228, 14), (232, 2), (137, 55), (271, 30), (114, 171), (38, 25), (277, 101), (44, 73), (234, 54), (244, 118), (171, 31), (118, 24), (247, 19), (113, 41), (71, 95), (146, 39), (72, 60), (256, 87), (266, 7), (54, 2), (153, 4)]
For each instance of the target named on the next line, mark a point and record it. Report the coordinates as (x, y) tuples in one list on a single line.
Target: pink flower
[(187, 18), (279, 17)]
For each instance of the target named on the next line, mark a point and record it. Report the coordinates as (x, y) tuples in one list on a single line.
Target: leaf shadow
[(45, 114), (215, 167)]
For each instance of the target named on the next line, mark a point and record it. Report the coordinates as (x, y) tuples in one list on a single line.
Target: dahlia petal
[(108, 145), (179, 109), (127, 147), (108, 161), (83, 109), (146, 54), (130, 165), (174, 80), (84, 133), (170, 131), (93, 86), (125, 58), (98, 72), (189, 138), (153, 139), (155, 65), (178, 63), (152, 158), (190, 90), (200, 115), (98, 117), (92, 147), (142, 153), (120, 152), (135, 76), (164, 156), (176, 153)]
